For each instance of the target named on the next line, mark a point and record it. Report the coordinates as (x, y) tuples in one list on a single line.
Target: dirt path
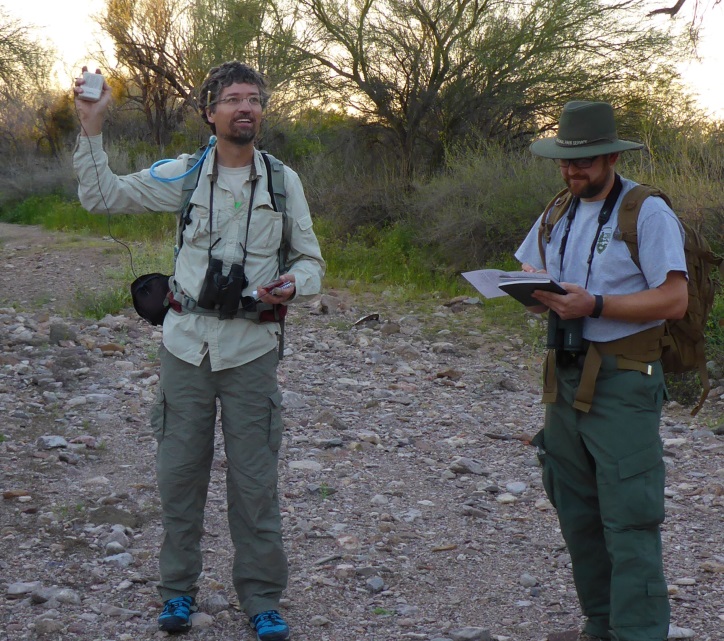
[(56, 271)]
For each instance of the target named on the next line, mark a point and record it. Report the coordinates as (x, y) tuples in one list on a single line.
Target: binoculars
[(564, 335), (222, 292)]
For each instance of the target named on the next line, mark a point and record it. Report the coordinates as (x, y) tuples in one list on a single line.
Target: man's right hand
[(527, 267), (91, 114)]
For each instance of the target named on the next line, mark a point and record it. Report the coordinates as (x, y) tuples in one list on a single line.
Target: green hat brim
[(549, 148)]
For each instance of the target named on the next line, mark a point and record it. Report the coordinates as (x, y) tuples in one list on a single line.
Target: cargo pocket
[(545, 461), (276, 426), (632, 491), (158, 415)]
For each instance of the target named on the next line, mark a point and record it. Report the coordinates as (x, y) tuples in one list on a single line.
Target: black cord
[(103, 198)]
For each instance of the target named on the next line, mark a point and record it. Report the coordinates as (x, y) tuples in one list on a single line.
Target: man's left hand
[(276, 293), (575, 304)]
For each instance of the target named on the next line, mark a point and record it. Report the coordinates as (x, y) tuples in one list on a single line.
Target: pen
[(275, 291)]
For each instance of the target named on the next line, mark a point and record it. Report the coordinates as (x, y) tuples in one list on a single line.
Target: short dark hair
[(225, 75)]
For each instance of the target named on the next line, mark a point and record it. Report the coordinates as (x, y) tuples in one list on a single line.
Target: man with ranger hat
[(604, 386)]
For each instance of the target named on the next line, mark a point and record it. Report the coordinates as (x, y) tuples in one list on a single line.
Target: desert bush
[(480, 209), (30, 174), (353, 182)]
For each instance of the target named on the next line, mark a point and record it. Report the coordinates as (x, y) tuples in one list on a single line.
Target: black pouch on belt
[(150, 297)]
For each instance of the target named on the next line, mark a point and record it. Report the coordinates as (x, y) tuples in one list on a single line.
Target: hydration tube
[(158, 163)]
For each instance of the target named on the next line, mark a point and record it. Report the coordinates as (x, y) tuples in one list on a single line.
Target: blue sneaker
[(176, 615), (270, 626)]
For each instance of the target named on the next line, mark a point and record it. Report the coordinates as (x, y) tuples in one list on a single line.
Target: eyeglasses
[(235, 101), (578, 163)]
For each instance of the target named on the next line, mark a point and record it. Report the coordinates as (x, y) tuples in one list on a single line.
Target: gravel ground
[(411, 499)]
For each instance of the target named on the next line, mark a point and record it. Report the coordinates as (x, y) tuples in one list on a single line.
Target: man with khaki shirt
[(232, 229)]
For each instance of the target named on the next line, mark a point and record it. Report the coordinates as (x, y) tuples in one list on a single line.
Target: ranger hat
[(584, 129)]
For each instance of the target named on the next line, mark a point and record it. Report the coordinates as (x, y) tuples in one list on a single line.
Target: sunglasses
[(578, 163)]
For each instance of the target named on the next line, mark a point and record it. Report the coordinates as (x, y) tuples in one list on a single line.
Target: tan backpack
[(684, 340)]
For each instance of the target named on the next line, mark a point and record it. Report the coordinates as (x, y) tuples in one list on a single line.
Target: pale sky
[(67, 25)]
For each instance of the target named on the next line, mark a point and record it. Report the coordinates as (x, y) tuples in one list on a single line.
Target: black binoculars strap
[(603, 217)]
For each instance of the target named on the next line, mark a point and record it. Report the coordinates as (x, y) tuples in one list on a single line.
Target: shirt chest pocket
[(265, 232), (198, 229)]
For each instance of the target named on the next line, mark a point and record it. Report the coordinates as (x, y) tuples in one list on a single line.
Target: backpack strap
[(635, 352), (628, 216), (187, 189), (554, 211), (275, 182), (278, 194)]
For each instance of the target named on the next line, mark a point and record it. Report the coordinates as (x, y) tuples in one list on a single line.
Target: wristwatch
[(597, 306)]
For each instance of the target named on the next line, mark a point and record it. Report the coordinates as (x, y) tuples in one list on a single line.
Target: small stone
[(202, 620), (305, 466), (375, 584), (517, 487), (344, 571), (44, 627), (113, 547), (470, 634), (19, 589), (676, 632), (50, 442), (121, 613), (528, 581), (122, 560), (214, 603)]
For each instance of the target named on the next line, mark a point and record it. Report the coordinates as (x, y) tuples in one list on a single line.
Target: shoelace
[(180, 606), (270, 619)]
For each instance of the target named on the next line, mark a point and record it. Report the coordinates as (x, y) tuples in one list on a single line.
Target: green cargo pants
[(604, 473), (183, 421)]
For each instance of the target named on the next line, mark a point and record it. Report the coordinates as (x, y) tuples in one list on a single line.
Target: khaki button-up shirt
[(190, 336)]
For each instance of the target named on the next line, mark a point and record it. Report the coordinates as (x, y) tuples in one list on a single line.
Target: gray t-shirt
[(661, 250)]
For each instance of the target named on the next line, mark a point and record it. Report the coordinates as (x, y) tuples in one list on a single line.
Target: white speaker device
[(93, 86)]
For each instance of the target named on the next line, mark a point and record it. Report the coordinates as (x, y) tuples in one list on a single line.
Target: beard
[(240, 138), (586, 188)]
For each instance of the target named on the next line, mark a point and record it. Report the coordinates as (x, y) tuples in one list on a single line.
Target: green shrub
[(97, 305)]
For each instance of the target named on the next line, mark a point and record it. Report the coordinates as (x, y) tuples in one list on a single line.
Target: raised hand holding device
[(92, 98), (92, 86)]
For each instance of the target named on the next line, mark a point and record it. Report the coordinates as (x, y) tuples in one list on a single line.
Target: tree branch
[(671, 11)]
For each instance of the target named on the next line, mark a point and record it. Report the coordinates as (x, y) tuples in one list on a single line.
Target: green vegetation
[(98, 305), (57, 212)]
